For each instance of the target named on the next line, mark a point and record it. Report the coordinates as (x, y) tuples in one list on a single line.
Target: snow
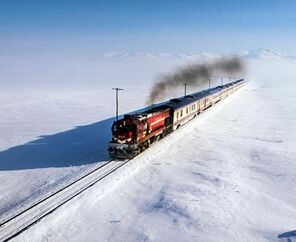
[(49, 139), (167, 56), (263, 53), (228, 175), (254, 54)]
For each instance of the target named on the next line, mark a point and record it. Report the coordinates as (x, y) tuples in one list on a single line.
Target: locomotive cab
[(124, 138), (123, 132), (135, 132)]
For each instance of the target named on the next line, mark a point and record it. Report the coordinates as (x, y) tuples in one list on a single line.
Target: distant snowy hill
[(261, 53), (141, 55)]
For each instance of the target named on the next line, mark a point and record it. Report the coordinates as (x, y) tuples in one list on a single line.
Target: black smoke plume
[(193, 74)]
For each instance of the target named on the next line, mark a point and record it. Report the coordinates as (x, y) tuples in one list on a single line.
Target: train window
[(187, 110), (177, 115), (181, 114)]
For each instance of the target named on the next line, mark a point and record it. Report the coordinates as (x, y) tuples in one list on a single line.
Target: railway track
[(20, 222)]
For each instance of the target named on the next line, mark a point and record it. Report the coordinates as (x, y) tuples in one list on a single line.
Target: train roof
[(215, 90), (179, 102), (147, 112)]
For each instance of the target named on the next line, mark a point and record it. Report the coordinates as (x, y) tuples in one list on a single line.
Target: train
[(135, 132)]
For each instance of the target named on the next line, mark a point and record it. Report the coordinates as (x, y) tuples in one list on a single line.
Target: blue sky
[(173, 26), (55, 31)]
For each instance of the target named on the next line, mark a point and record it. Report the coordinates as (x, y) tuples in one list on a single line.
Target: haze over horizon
[(56, 42)]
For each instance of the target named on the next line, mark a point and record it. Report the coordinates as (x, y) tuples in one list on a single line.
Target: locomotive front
[(134, 133), (124, 138)]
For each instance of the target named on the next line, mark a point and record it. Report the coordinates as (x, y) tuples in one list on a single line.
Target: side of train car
[(136, 132)]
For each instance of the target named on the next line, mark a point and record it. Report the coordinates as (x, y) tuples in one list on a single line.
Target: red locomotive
[(136, 132)]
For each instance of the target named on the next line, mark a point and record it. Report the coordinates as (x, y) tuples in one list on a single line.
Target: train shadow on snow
[(79, 146), (289, 236)]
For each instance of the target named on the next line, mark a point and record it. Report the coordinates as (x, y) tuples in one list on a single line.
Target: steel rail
[(44, 213), (51, 195)]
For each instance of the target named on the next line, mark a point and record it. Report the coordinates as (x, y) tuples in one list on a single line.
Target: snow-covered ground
[(229, 175), (49, 138)]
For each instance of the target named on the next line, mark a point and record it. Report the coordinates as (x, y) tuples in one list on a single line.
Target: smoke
[(197, 74)]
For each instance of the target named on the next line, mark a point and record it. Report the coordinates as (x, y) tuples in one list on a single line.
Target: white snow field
[(228, 175), (50, 138)]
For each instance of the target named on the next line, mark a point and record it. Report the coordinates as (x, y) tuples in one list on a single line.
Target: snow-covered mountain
[(160, 55), (263, 53), (260, 53)]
